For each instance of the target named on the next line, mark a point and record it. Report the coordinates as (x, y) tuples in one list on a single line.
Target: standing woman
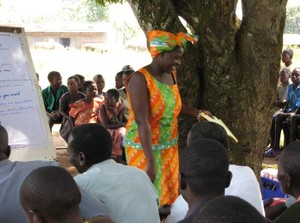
[(151, 140)]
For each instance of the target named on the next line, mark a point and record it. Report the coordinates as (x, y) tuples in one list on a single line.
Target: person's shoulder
[(46, 90)]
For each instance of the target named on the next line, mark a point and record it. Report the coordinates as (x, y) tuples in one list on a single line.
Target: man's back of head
[(50, 193), (229, 209), (4, 148), (89, 144), (204, 168), (208, 130), (289, 169)]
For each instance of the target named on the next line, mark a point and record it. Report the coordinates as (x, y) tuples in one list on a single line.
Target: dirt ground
[(61, 151)]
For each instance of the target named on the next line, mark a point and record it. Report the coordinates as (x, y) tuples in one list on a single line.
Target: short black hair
[(120, 74), (229, 209), (52, 75), (3, 139), (204, 163), (87, 84), (74, 77), (50, 191), (289, 160), (114, 93), (288, 51), (128, 72), (93, 140), (209, 130), (286, 71), (98, 76), (81, 78)]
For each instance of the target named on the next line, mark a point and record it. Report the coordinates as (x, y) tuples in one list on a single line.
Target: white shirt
[(127, 192), (243, 184)]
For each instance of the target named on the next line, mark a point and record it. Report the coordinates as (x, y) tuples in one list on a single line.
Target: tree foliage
[(292, 20)]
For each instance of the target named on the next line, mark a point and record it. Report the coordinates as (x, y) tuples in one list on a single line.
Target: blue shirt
[(292, 98)]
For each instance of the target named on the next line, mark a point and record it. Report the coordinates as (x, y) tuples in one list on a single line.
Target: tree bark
[(233, 70)]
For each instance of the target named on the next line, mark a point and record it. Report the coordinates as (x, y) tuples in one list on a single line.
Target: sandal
[(270, 153)]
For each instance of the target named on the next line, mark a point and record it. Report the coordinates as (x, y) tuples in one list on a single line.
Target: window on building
[(65, 42)]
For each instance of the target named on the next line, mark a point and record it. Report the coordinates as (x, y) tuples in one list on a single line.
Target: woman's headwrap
[(161, 41)]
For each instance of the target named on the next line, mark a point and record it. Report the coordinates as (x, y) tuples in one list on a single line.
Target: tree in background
[(233, 70), (292, 20)]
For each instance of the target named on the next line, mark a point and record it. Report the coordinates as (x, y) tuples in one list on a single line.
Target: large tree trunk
[(233, 70)]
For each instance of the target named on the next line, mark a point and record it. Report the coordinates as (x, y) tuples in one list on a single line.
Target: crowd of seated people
[(93, 124)]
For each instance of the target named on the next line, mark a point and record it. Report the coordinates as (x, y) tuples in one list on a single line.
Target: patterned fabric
[(165, 105), (85, 112), (160, 41), (116, 134)]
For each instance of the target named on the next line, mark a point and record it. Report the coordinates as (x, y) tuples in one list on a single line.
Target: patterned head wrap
[(161, 41)]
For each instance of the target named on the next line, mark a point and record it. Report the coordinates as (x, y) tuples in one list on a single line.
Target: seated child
[(111, 116), (51, 96), (85, 110), (66, 99), (99, 80)]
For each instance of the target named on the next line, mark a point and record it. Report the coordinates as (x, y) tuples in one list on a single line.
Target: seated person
[(284, 82), (243, 183), (123, 93), (291, 108), (126, 191), (229, 209), (12, 176), (86, 110), (111, 115), (289, 177), (204, 174), (81, 81), (119, 80), (66, 99), (51, 96), (100, 82)]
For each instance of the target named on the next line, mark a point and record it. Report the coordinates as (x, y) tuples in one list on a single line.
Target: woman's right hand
[(150, 170)]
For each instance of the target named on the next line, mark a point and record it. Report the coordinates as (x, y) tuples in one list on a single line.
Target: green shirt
[(51, 101)]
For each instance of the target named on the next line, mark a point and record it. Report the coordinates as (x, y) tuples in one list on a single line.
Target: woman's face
[(91, 92), (72, 85), (100, 83), (171, 60), (110, 101)]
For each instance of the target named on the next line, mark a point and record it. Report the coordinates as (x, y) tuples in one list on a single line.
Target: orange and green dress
[(165, 105)]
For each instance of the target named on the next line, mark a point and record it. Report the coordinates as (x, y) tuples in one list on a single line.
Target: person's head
[(296, 76), (73, 83), (4, 147), (50, 194), (90, 89), (287, 56), (208, 130), (126, 74), (99, 80), (204, 169), (119, 80), (289, 169), (127, 67), (111, 98), (55, 79), (89, 144), (81, 79), (167, 48), (229, 209), (285, 75)]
